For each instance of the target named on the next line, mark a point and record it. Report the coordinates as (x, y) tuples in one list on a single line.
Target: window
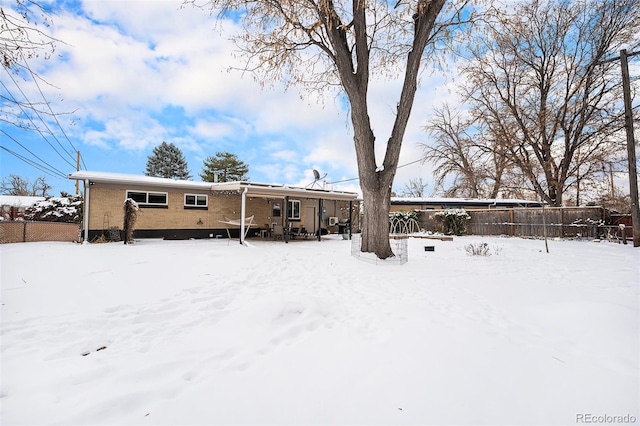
[(195, 201), (148, 199), (293, 209), (276, 210)]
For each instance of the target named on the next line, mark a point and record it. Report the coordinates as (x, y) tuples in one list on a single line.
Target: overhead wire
[(31, 162), (44, 164), (357, 178), (54, 115), (36, 126)]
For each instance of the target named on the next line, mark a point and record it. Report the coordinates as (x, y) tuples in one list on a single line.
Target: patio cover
[(278, 191)]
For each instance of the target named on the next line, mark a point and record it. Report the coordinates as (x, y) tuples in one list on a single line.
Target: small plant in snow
[(481, 249), (477, 249)]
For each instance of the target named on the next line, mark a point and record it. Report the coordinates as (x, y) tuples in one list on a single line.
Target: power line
[(43, 164), (36, 127), (32, 163), (399, 167), (35, 78)]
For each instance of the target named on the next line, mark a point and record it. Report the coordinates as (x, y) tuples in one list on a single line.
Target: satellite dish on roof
[(316, 178)]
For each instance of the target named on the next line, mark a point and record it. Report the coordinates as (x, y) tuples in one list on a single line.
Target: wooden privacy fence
[(23, 231), (587, 222)]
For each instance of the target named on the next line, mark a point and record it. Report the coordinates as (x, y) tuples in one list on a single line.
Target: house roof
[(267, 190), (252, 188), (442, 201)]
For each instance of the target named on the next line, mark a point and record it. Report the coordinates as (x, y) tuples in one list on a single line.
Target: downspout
[(243, 206), (85, 219)]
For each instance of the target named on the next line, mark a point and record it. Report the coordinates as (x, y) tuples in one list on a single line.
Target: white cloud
[(140, 72), (128, 133)]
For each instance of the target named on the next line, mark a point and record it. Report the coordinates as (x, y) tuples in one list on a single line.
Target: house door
[(310, 219)]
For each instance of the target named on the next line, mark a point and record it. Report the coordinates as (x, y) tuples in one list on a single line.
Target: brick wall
[(106, 210)]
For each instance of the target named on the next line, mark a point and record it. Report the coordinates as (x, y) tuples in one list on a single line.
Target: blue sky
[(132, 74)]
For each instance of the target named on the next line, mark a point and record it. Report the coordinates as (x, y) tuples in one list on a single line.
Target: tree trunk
[(375, 224)]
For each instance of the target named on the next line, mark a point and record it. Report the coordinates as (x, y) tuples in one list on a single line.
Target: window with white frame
[(195, 201), (149, 199), (293, 210)]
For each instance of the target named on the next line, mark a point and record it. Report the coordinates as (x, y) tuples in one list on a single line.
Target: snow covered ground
[(206, 332)]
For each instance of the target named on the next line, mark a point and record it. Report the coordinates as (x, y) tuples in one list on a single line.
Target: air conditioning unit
[(333, 221)]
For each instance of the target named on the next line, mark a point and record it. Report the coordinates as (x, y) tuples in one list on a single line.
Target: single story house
[(402, 204), (181, 209)]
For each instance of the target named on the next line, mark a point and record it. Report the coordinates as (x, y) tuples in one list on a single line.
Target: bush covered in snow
[(56, 209), (454, 221), (413, 214), (404, 222)]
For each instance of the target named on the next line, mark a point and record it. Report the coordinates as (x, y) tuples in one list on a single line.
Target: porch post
[(242, 213), (285, 231), (350, 219), (319, 233)]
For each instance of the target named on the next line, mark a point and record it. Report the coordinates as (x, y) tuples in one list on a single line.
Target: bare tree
[(467, 165), (415, 188), (23, 37), (325, 44), (17, 185), (537, 79)]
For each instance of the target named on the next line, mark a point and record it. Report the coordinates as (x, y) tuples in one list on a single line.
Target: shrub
[(413, 214), (477, 249), (56, 209), (481, 249), (404, 222), (454, 221), (130, 215)]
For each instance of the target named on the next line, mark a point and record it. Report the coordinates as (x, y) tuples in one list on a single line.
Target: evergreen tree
[(167, 161), (226, 166)]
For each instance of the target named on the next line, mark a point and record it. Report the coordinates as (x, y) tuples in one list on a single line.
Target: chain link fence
[(398, 246), (24, 231)]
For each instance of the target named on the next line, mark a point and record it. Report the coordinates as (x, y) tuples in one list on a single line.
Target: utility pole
[(77, 169), (631, 146)]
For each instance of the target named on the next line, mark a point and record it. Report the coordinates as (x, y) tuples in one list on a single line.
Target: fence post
[(24, 232), (623, 231), (544, 228), (511, 219)]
